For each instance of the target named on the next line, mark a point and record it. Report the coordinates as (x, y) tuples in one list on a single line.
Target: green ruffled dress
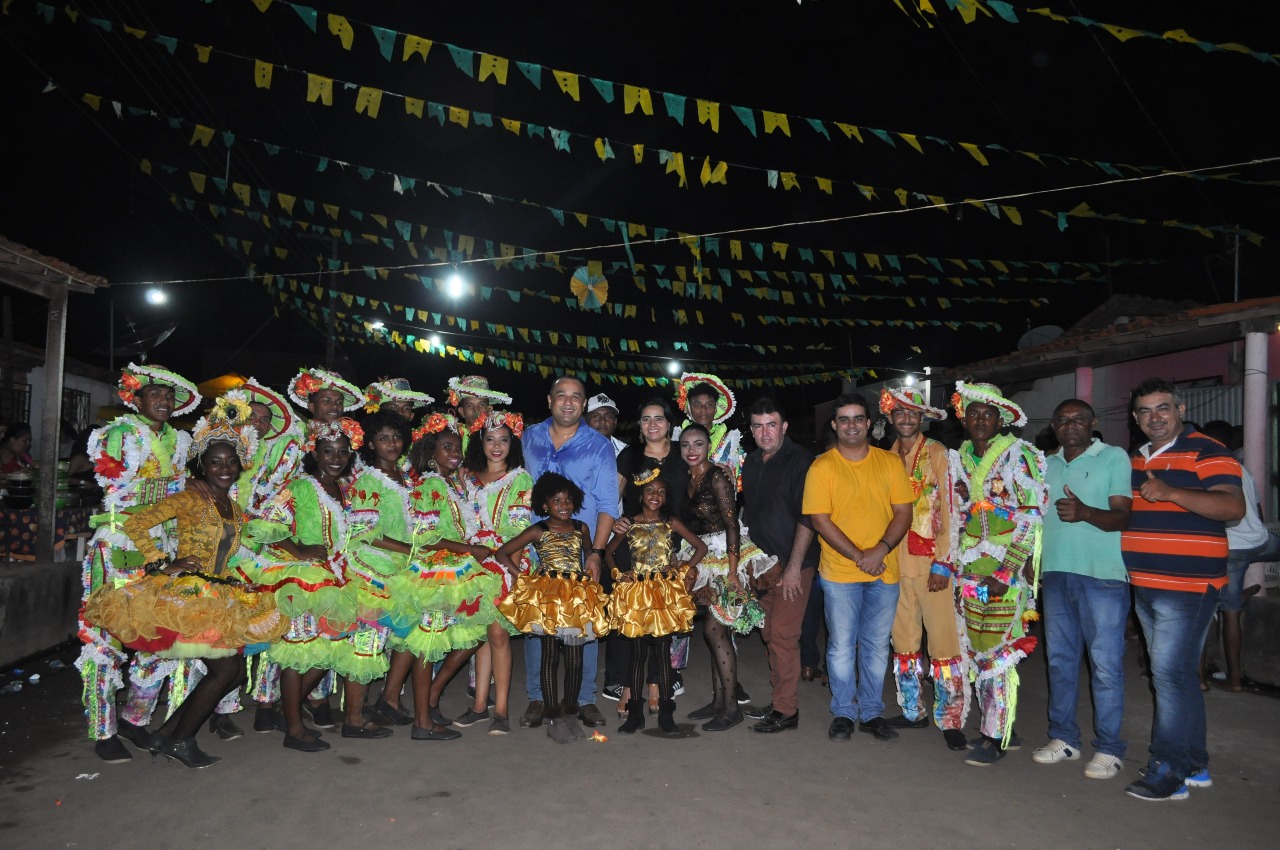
[(375, 491), (502, 511)]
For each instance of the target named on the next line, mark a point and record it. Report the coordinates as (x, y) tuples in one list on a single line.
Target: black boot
[(635, 717), (186, 750), (666, 718)]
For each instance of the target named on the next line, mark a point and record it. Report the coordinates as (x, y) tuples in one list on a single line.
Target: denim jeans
[(1175, 624), (533, 670), (1237, 562), (859, 619), (1082, 613)]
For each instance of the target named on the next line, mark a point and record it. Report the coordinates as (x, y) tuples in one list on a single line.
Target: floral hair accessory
[(220, 428), (645, 477), (310, 381), (908, 398), (966, 394), (725, 405), (434, 424), (384, 390), (135, 377), (495, 419), (476, 386), (335, 430)]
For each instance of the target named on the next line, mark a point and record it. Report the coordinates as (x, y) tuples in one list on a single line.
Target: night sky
[(1061, 112)]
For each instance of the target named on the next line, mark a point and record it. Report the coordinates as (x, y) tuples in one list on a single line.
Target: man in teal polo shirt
[(1086, 587)]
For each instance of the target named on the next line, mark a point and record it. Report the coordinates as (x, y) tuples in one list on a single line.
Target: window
[(75, 409), (15, 403)]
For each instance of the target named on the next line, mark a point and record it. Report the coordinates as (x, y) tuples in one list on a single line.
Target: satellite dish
[(1038, 336)]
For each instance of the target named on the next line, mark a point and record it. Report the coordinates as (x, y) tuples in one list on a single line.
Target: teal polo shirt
[(1098, 473)]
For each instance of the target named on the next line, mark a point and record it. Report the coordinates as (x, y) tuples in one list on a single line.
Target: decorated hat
[(600, 400), (435, 423), (908, 398), (338, 428), (384, 390), (495, 419), (255, 393), (476, 386), (967, 394), (725, 405), (228, 422), (135, 377), (309, 381)]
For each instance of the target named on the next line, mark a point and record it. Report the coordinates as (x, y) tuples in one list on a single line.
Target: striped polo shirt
[(1168, 547)]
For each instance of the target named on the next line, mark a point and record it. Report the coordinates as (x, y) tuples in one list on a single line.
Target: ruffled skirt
[(447, 600), (736, 607), (568, 605), (653, 605), (318, 588), (186, 616)]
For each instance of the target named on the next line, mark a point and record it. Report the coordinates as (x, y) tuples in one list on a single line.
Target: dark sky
[(1088, 105)]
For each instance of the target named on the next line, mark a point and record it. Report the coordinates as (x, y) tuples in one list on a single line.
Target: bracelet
[(886, 543), (599, 552)]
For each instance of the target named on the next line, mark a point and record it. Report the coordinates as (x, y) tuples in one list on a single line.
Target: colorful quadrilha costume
[(375, 492), (278, 456), (136, 467), (475, 386), (448, 597), (996, 503), (207, 613), (711, 513), (726, 443), (319, 596), (927, 468), (559, 598)]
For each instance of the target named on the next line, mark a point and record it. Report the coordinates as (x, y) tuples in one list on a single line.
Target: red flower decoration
[(108, 466), (307, 384)]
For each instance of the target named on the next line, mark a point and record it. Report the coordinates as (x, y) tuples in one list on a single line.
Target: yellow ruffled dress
[(652, 599), (559, 598)]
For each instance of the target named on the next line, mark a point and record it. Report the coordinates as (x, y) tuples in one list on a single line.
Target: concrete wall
[(38, 607)]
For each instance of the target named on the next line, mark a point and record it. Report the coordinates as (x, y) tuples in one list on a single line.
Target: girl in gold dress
[(651, 603), (561, 602)]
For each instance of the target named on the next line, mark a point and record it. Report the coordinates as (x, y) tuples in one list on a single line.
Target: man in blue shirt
[(1085, 587), (567, 445)]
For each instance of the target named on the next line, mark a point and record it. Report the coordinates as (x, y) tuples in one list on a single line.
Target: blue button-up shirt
[(586, 459)]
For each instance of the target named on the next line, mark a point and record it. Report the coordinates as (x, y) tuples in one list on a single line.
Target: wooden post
[(54, 356)]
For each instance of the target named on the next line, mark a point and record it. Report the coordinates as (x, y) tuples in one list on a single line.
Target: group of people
[(418, 541)]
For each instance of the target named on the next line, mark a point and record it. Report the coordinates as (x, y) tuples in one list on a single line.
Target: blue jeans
[(1237, 562), (533, 670), (1085, 613), (1175, 624), (859, 619)]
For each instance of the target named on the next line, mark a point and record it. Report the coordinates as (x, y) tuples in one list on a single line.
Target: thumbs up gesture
[(1155, 490), (1070, 508)]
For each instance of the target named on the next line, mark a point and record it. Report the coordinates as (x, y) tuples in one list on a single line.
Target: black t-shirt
[(673, 469), (773, 493)]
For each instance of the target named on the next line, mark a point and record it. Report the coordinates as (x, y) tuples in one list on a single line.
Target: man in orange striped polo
[(1186, 487)]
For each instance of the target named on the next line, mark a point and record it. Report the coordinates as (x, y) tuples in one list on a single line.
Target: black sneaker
[(877, 727), (321, 715), (112, 750), (741, 695), (987, 752), (225, 727), (613, 692)]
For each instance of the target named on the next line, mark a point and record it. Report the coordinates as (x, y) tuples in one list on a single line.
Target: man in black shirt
[(773, 489)]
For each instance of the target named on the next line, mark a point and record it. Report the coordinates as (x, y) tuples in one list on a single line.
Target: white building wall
[(100, 394)]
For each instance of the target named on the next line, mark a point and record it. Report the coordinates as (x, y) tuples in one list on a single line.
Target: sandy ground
[(735, 789)]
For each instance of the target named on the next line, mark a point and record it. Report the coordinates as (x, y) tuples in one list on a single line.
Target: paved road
[(734, 789)]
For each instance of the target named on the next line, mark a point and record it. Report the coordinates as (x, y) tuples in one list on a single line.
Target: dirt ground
[(734, 789)]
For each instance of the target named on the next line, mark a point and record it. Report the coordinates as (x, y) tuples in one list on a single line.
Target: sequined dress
[(558, 598), (655, 602)]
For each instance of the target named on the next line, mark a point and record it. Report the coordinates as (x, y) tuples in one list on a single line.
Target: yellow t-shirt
[(859, 496)]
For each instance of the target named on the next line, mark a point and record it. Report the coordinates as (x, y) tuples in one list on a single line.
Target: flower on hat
[(495, 419), (434, 424), (335, 430)]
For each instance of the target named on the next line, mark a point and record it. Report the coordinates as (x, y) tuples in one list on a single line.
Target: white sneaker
[(1102, 766), (1054, 752)]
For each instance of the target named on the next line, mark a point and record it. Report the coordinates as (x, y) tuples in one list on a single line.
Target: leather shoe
[(136, 735), (417, 733), (879, 728), (393, 716), (757, 713), (532, 717), (112, 751), (264, 719), (809, 673), (590, 715), (707, 712), (321, 715), (901, 722), (840, 729), (225, 727), (777, 722), (303, 746), (349, 731), (188, 753), (955, 739), (433, 711), (722, 721)]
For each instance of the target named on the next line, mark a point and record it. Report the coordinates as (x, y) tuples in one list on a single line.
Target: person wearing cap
[(395, 395), (138, 460), (470, 397), (1086, 588), (859, 500), (925, 600), (997, 498), (602, 415)]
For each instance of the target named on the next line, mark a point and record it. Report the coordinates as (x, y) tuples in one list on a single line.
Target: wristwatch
[(599, 552)]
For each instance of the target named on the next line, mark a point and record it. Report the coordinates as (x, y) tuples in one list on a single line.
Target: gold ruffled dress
[(188, 615), (652, 599), (559, 598)]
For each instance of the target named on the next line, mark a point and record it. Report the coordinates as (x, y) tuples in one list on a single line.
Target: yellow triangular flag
[(416, 44), (495, 66), (512, 125), (319, 88), (633, 96), (368, 101), (201, 133), (709, 113), (824, 184), (413, 106), (776, 120), (974, 152), (568, 83), (457, 115), (262, 74), (197, 181), (675, 162), (339, 26), (911, 140)]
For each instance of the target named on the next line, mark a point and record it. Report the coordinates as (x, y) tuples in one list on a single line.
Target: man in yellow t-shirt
[(859, 498)]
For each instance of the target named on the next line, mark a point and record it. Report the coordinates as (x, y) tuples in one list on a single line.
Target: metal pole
[(1256, 403), (50, 416)]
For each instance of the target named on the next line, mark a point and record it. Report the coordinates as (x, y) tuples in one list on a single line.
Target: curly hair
[(424, 449), (474, 459), (375, 422), (548, 485)]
